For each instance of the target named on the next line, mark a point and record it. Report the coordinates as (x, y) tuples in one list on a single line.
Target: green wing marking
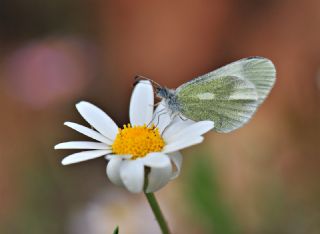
[(258, 70), (229, 101)]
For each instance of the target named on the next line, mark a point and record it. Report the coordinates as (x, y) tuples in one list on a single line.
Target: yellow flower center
[(137, 141)]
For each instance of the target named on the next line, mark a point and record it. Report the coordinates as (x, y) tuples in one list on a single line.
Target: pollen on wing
[(137, 141)]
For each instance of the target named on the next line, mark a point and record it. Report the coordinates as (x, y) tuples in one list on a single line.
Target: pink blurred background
[(262, 178)]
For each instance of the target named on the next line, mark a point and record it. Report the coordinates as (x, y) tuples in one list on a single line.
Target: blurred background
[(260, 179)]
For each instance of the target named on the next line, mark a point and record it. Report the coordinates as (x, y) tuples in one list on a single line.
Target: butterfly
[(228, 96)]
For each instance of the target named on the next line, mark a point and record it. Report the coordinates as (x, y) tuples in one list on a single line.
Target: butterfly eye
[(161, 92)]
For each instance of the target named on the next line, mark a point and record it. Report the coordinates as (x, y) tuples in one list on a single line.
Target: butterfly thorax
[(170, 99)]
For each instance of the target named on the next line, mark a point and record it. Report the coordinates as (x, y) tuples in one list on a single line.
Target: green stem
[(157, 213)]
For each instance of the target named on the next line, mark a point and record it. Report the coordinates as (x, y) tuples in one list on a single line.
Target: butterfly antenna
[(137, 78)]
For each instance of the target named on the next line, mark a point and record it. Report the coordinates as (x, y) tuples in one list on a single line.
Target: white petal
[(113, 171), (176, 126), (158, 177), (176, 158), (88, 132), (81, 145), (161, 118), (181, 144), (196, 129), (156, 160), (132, 175), (83, 156), (141, 103), (123, 156), (98, 119)]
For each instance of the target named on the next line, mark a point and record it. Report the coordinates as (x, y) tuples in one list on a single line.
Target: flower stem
[(157, 213)]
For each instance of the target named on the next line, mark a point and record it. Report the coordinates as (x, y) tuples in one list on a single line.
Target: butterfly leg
[(162, 112), (182, 117), (172, 117)]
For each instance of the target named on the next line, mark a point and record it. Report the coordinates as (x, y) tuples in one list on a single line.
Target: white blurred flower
[(108, 208), (152, 140)]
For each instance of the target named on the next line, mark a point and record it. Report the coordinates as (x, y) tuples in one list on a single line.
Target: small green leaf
[(116, 230)]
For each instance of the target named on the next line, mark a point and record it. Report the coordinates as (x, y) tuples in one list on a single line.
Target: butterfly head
[(169, 97), (162, 92)]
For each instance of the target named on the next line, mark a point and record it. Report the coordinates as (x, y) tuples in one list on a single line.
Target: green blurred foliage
[(205, 197), (42, 209), (116, 230)]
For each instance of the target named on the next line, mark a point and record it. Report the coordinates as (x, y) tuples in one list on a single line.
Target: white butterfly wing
[(221, 97), (258, 70), (227, 100)]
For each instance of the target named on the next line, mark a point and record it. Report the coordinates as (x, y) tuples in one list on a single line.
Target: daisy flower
[(143, 155)]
